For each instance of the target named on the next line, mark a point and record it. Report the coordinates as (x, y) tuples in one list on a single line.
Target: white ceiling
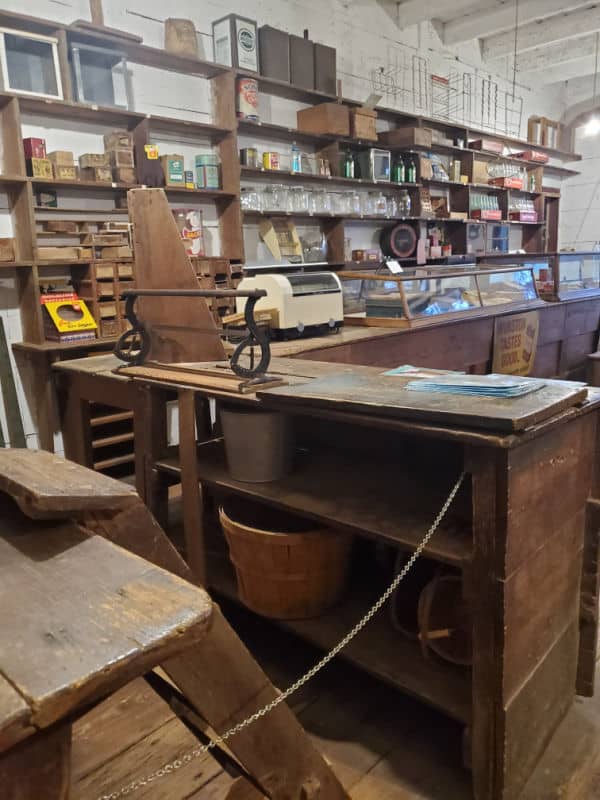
[(555, 39)]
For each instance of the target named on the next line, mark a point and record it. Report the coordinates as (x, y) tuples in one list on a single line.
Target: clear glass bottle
[(404, 204), (296, 161)]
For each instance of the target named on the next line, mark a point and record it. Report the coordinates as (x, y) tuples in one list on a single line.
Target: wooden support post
[(191, 492)]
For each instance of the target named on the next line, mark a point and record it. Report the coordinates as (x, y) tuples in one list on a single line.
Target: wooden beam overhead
[(545, 58), (537, 34), (412, 12), (477, 23)]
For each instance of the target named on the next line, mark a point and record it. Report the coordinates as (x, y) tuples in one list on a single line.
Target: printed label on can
[(246, 40), (247, 99)]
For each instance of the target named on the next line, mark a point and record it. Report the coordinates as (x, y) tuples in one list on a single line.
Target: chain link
[(167, 769)]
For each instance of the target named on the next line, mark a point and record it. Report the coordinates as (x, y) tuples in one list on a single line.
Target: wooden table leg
[(75, 422), (39, 767), (191, 492), (150, 436)]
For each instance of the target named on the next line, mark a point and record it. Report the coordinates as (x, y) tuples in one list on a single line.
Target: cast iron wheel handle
[(123, 347)]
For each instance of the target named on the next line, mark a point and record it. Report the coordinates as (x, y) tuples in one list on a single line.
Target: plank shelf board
[(378, 649), (107, 441), (108, 419), (351, 217), (247, 127), (59, 347), (111, 187), (12, 178), (88, 212), (260, 172), (288, 90), (115, 461), (329, 489), (13, 264)]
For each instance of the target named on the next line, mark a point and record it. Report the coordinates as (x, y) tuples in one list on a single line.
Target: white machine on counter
[(306, 302)]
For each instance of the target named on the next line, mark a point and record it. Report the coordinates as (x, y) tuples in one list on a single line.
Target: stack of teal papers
[(478, 385)]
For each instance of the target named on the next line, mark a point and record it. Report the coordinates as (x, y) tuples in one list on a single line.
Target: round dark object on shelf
[(398, 241)]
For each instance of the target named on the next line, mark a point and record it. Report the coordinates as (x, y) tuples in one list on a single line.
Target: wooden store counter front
[(516, 551)]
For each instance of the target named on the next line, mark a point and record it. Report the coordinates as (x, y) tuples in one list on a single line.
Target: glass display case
[(577, 274), (29, 64), (406, 300)]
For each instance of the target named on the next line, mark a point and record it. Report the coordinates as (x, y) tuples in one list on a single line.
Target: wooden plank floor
[(382, 745)]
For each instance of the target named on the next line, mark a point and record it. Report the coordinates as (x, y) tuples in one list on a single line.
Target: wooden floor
[(382, 745)]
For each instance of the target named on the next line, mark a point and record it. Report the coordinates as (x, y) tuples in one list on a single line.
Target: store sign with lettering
[(515, 343)]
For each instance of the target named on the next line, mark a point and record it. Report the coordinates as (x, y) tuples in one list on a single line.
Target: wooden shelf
[(269, 129), (60, 347), (383, 502), (115, 461), (378, 649), (54, 183), (259, 172), (118, 438), (87, 212), (13, 264), (108, 419), (353, 217), (9, 179), (288, 90)]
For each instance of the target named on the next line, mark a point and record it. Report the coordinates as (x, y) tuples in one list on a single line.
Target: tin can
[(271, 160), (247, 99), (249, 157), (189, 179)]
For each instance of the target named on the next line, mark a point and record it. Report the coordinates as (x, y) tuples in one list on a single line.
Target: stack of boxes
[(63, 165), (119, 147), (37, 165)]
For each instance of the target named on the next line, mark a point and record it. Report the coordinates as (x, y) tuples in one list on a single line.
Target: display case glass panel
[(30, 64), (578, 272), (507, 287), (101, 76), (434, 296)]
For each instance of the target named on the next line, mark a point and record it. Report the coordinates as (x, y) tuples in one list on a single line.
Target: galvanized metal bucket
[(258, 444)]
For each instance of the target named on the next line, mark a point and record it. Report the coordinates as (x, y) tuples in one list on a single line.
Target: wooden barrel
[(285, 569), (445, 621)]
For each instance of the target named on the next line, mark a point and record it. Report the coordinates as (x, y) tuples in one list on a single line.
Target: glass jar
[(298, 200), (368, 203), (322, 201), (380, 203), (250, 199), (392, 207), (354, 203), (404, 204)]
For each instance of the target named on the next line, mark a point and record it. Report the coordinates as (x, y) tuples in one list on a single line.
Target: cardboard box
[(326, 118), (88, 160), (120, 158), (118, 140), (362, 123), (62, 172), (302, 62), (173, 167), (34, 148), (325, 68), (523, 216), (407, 137), (38, 167), (236, 42), (96, 290), (512, 182), (97, 174), (488, 215), (533, 155), (62, 157), (274, 48), (7, 249), (124, 175)]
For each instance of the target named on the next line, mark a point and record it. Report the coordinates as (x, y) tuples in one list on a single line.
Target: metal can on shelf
[(247, 99), (271, 160)]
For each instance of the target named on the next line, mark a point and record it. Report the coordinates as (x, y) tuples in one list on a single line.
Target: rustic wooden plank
[(115, 725), (541, 600), (39, 767), (590, 591), (46, 485), (534, 713), (15, 716), (485, 467), (549, 481), (191, 490), (385, 395), (181, 329), (275, 750), (133, 615)]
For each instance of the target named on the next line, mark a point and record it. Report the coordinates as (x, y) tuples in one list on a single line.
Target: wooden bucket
[(445, 620), (404, 603), (284, 569)]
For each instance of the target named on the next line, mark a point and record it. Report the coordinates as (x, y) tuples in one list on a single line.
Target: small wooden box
[(109, 328), (39, 168), (181, 37), (363, 123), (118, 140), (124, 270), (119, 251), (62, 157), (97, 174), (7, 249), (407, 137), (60, 226), (329, 118), (94, 160), (173, 167), (103, 272), (488, 146), (124, 175), (120, 158), (58, 253), (62, 172)]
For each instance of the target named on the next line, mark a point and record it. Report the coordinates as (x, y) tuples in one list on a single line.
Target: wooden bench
[(88, 605)]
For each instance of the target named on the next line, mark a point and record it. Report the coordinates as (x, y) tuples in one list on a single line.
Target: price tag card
[(393, 266)]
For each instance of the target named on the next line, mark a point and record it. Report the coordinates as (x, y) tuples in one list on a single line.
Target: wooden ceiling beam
[(557, 28)]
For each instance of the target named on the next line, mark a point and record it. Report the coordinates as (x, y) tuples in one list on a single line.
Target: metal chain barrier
[(167, 769)]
